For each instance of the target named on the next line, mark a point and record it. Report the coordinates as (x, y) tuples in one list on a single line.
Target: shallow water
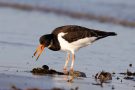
[(19, 36)]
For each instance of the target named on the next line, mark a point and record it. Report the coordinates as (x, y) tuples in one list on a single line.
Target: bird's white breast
[(75, 45)]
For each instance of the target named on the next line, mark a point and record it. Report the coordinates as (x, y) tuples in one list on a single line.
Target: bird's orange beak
[(39, 50)]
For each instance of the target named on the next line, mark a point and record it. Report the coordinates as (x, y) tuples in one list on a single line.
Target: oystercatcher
[(70, 38)]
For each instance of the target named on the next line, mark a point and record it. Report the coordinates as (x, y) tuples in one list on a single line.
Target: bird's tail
[(111, 34), (106, 34)]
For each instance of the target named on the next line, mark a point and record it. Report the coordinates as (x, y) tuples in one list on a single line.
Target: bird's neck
[(54, 43)]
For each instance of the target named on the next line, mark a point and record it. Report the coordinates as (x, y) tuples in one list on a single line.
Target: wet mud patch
[(128, 75), (107, 77), (114, 78), (45, 70), (55, 88)]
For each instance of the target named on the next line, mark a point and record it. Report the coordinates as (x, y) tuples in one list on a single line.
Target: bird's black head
[(46, 39)]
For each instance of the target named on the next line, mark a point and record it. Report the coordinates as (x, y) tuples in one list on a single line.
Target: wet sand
[(27, 81)]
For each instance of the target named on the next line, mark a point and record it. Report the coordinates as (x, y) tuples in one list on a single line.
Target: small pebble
[(129, 78), (113, 88), (45, 67), (113, 73), (117, 78), (130, 65)]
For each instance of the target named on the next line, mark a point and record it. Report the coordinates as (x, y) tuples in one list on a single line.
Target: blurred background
[(116, 11)]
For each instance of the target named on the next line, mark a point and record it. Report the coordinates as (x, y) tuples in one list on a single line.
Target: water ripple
[(17, 44)]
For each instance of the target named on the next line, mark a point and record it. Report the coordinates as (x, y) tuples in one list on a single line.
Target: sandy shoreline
[(23, 82), (48, 82)]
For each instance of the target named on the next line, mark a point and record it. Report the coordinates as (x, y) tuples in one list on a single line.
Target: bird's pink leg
[(67, 60), (73, 60)]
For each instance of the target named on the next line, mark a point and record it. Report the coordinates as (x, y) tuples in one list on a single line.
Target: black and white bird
[(70, 38)]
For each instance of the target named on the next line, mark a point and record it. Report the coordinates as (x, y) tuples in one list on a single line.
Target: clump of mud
[(44, 70), (103, 77)]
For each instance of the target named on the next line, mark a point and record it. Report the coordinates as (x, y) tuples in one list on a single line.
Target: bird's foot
[(65, 70), (71, 70)]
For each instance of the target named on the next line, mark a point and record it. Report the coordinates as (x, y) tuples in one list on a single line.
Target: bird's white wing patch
[(73, 46), (63, 43)]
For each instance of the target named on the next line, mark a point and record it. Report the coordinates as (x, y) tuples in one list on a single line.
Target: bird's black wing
[(77, 32), (73, 32)]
